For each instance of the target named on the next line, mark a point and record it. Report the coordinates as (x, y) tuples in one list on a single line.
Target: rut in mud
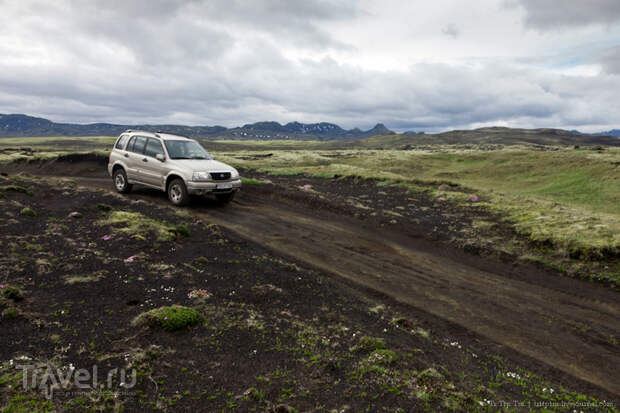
[(564, 323)]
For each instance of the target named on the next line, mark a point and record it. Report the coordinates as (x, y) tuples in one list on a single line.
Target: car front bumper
[(202, 188)]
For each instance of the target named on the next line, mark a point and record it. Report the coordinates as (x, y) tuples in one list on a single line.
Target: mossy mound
[(170, 318)]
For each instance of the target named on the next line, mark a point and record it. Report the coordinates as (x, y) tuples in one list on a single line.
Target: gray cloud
[(451, 30), (610, 60), (226, 63), (548, 15), (287, 21), (428, 96)]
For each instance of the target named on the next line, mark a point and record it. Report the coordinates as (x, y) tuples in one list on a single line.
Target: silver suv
[(175, 164)]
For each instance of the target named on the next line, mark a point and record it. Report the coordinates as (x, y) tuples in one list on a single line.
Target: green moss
[(323, 175), (182, 230), (10, 313), (379, 308), (28, 212), (421, 332), (16, 188), (170, 318), (387, 182), (429, 376), (93, 277), (11, 292), (139, 226), (385, 356), (254, 394), (282, 171), (250, 181), (368, 343), (104, 207), (201, 261), (28, 404)]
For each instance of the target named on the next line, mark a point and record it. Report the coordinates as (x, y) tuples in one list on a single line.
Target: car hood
[(200, 165)]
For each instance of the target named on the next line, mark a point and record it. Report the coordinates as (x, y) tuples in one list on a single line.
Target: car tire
[(225, 198), (120, 181), (177, 192)]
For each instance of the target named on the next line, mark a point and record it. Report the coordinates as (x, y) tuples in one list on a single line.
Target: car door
[(134, 156), (128, 158), (152, 169)]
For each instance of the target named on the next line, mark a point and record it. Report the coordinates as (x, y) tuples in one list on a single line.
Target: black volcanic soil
[(297, 277)]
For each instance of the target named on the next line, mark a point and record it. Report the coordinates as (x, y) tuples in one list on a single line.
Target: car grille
[(220, 176)]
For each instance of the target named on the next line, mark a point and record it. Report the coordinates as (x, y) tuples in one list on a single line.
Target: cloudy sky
[(413, 65)]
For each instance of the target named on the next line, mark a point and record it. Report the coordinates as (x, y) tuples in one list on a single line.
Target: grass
[(46, 148)]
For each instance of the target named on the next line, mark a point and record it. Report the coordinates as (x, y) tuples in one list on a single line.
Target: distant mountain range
[(24, 126), (613, 132), (18, 125), (494, 135)]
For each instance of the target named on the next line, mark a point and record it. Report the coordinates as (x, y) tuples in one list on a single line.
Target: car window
[(178, 149), (139, 144), (120, 143), (130, 144), (153, 147)]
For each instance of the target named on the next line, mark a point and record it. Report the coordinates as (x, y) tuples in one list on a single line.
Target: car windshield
[(186, 150)]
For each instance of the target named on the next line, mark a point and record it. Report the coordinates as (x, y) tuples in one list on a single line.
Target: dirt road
[(568, 324)]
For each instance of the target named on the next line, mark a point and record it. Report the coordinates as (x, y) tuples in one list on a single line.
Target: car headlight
[(201, 176), (234, 174)]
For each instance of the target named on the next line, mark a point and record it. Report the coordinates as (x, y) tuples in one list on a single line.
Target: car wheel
[(225, 198), (177, 192), (120, 181)]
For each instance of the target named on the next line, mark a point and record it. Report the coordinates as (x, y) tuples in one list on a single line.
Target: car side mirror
[(160, 157)]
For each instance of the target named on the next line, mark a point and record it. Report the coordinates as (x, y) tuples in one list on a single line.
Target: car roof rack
[(139, 131)]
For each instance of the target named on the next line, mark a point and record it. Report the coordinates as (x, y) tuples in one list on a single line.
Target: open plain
[(324, 290)]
